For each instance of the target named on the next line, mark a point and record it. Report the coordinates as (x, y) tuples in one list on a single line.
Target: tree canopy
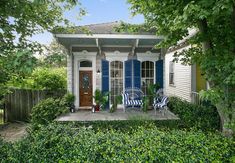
[(20, 19), (214, 41), (55, 55)]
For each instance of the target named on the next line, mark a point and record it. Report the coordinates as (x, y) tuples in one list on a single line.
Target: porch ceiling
[(107, 41)]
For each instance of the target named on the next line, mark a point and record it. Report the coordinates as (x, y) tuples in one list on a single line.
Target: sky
[(98, 11)]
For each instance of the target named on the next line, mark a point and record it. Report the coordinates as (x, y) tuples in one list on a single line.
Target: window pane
[(85, 64), (143, 73), (117, 79), (142, 64), (171, 78), (147, 75), (151, 73), (171, 67), (147, 65), (151, 65)]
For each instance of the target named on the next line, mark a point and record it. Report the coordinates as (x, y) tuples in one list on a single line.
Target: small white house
[(110, 61)]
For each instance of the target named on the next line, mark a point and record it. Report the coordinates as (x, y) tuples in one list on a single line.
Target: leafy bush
[(51, 79), (197, 116), (64, 143), (46, 111), (42, 78)]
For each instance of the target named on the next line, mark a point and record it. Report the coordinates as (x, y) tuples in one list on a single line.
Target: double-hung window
[(147, 75), (171, 73), (116, 72)]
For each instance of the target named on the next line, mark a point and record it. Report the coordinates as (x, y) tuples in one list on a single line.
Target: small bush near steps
[(64, 143), (47, 110)]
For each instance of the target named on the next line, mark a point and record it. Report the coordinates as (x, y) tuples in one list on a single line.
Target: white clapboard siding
[(182, 78)]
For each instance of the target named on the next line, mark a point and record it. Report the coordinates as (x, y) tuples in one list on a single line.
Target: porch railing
[(195, 98)]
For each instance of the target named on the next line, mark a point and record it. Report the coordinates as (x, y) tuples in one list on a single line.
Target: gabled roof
[(101, 28), (103, 36)]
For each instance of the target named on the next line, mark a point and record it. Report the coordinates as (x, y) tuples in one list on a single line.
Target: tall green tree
[(21, 19), (55, 55), (214, 42)]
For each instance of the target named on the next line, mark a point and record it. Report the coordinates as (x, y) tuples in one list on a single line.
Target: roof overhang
[(99, 42)]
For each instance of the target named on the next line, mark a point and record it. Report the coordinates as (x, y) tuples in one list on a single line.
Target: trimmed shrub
[(201, 117), (4, 149), (64, 143), (127, 125), (46, 111)]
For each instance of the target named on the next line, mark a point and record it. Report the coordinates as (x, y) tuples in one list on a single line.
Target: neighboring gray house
[(110, 61)]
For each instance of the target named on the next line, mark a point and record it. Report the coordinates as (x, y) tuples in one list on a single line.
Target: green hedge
[(127, 125), (204, 117), (64, 143)]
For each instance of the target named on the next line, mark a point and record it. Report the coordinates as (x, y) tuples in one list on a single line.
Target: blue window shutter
[(128, 73), (159, 73), (136, 77), (105, 77)]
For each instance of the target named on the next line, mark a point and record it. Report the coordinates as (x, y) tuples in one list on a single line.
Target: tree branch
[(203, 28)]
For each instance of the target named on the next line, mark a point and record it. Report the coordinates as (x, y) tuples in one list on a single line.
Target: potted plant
[(151, 92), (101, 99), (69, 101), (146, 101), (117, 100)]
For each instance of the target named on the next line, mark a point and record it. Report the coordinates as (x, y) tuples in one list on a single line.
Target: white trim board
[(108, 36)]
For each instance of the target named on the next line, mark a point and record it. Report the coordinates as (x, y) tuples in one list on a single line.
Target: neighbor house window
[(116, 73), (171, 73), (147, 75)]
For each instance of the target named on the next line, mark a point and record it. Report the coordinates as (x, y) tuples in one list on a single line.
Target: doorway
[(85, 88)]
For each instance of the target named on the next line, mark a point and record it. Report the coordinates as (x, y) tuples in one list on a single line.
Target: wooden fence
[(19, 103)]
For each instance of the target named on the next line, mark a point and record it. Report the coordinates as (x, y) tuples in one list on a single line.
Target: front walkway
[(130, 114), (12, 132)]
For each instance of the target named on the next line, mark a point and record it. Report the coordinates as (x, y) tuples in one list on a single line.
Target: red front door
[(85, 88)]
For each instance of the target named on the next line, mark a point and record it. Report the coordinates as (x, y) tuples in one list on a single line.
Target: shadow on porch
[(130, 114)]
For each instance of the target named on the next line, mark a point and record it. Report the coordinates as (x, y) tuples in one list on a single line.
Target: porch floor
[(130, 114)]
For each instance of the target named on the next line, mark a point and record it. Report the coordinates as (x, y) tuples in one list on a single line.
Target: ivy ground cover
[(68, 143)]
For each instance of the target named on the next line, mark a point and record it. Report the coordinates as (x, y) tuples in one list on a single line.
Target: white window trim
[(116, 56), (149, 56)]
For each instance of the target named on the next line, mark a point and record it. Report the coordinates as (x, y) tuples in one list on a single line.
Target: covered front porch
[(110, 61), (130, 114)]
